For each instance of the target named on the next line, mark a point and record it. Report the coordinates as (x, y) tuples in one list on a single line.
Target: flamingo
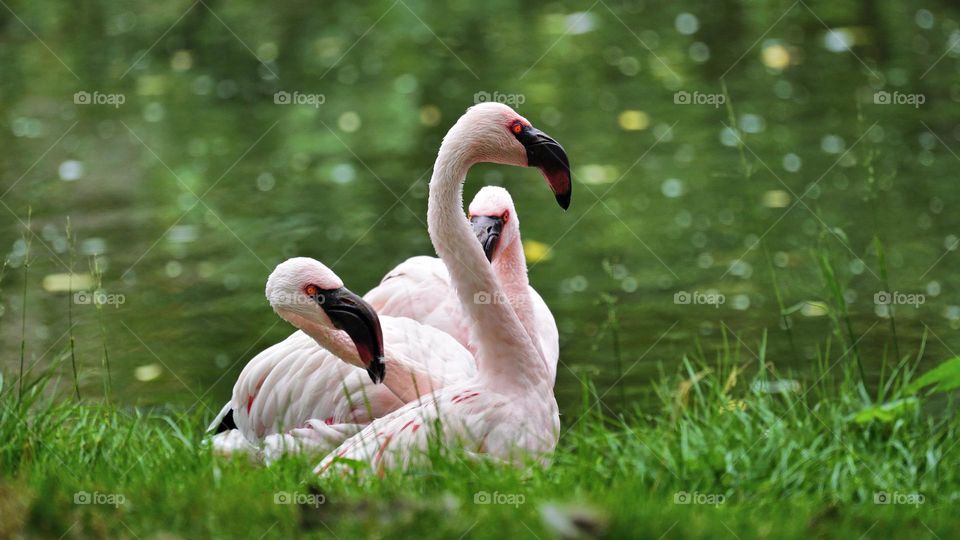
[(507, 411), (321, 395), (420, 288), (316, 390)]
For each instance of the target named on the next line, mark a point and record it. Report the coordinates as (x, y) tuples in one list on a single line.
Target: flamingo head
[(304, 290), (494, 133), (494, 220)]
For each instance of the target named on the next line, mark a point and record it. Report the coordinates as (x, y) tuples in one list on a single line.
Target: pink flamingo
[(420, 288), (313, 383), (508, 410)]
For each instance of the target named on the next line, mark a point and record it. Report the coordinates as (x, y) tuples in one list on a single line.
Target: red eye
[(517, 127), (505, 216), (311, 290)]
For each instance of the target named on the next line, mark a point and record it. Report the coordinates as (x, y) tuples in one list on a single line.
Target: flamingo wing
[(296, 380), (545, 327), (469, 416), (419, 289)]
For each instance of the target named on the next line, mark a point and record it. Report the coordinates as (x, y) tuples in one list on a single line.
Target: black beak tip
[(377, 370), (563, 199)]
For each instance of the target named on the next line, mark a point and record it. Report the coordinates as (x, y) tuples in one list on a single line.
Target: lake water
[(193, 154)]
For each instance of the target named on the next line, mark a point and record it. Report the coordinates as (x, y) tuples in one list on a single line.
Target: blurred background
[(716, 146)]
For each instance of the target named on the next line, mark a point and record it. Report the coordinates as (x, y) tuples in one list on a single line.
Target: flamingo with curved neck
[(496, 224), (420, 287), (508, 410), (296, 383)]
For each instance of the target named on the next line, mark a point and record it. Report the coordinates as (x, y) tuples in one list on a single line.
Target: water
[(185, 170)]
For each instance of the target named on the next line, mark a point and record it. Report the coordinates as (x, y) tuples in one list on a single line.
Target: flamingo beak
[(487, 229), (359, 320), (547, 155)]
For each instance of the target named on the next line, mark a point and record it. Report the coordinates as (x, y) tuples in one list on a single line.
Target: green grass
[(715, 454), (790, 465)]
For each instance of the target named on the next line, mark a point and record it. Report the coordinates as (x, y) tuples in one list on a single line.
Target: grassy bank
[(731, 448)]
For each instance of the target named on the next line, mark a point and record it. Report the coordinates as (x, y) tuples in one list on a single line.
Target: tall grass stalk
[(784, 316), (732, 118), (27, 236), (840, 314), (72, 247)]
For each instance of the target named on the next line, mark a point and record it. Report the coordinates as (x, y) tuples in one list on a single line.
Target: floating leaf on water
[(148, 372), (814, 309), (181, 60), (776, 198), (633, 120), (152, 85), (64, 283), (593, 173), (536, 251), (775, 56)]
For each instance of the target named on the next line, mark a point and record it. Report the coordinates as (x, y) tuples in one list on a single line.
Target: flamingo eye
[(517, 127), (505, 216), (311, 290)]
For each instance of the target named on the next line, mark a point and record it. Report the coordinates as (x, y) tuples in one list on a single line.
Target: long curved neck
[(331, 339), (510, 267), (505, 351), (402, 377)]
